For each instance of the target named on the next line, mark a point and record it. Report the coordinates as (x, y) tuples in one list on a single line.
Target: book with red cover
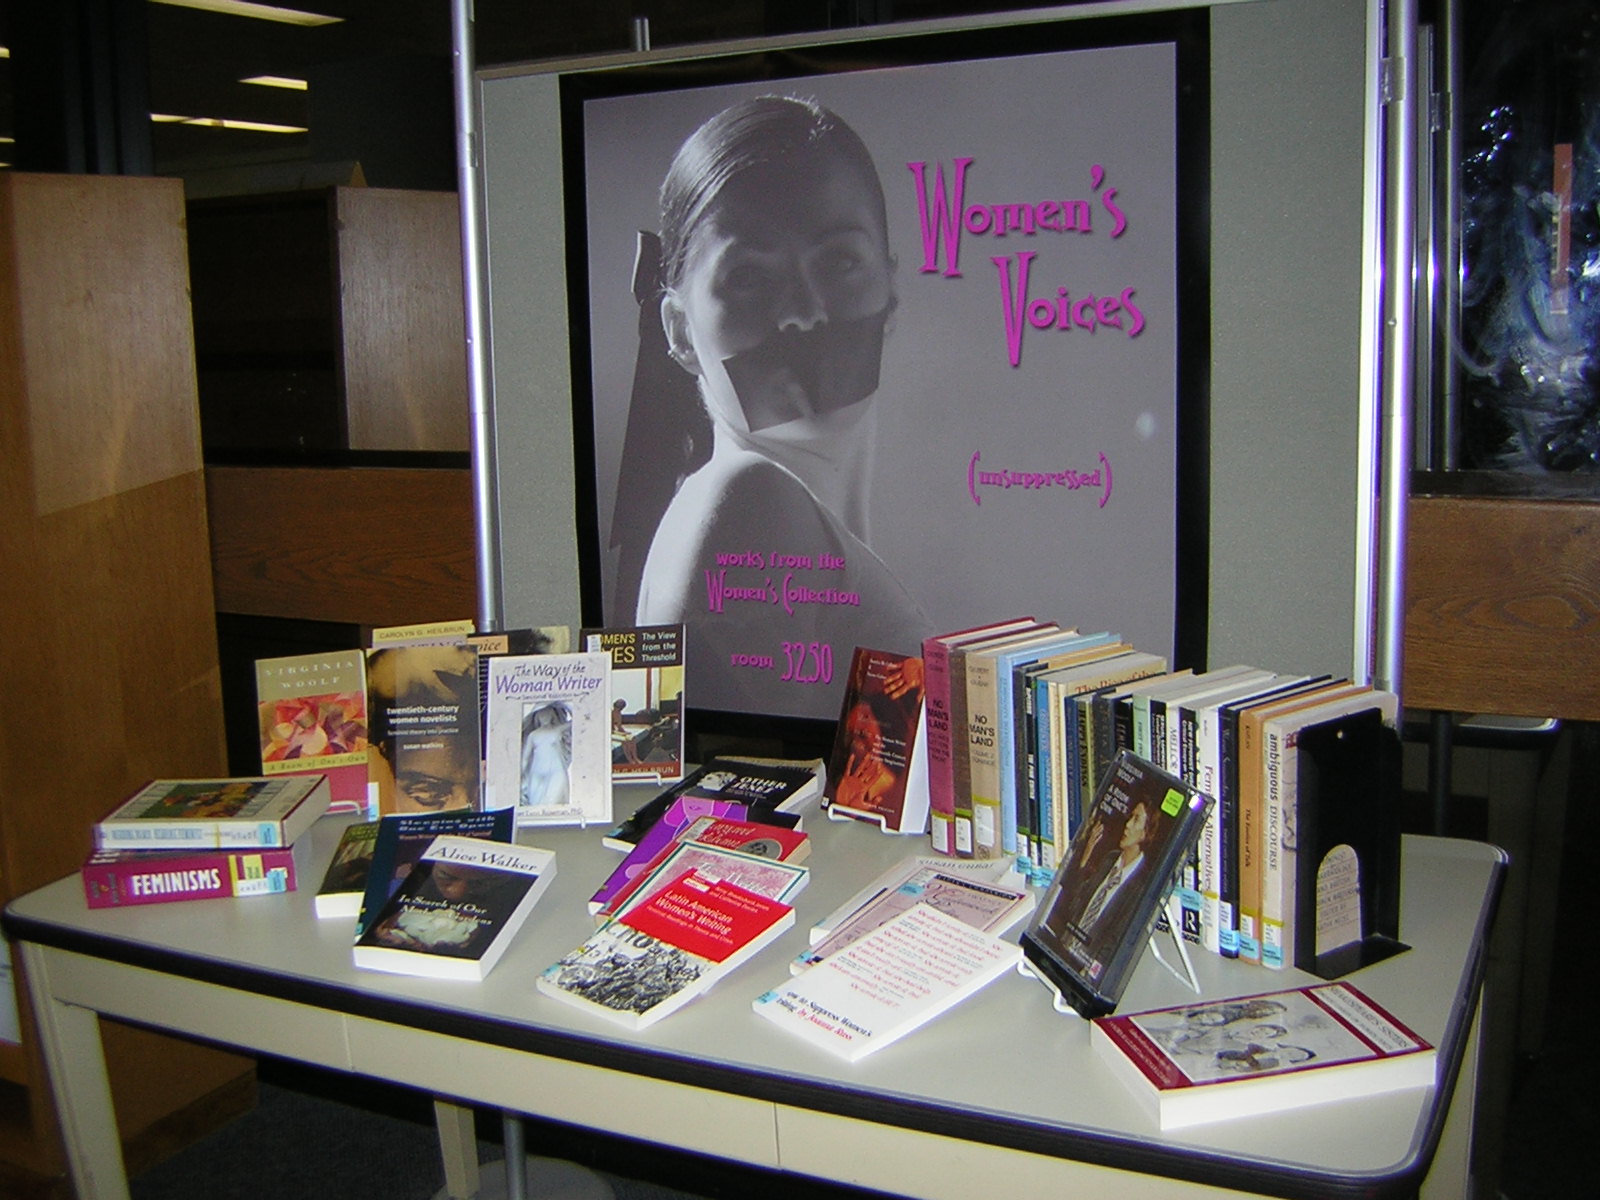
[(116, 878), (725, 829), (878, 770)]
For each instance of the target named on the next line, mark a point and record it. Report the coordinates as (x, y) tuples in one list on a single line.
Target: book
[(458, 909), (936, 702), (726, 831), (1098, 912), (549, 746), (345, 881), (991, 907), (527, 639), (776, 878), (311, 716), (1230, 1059), (661, 954), (231, 814), (878, 771), (402, 838), (770, 790), (647, 675), (424, 727), (118, 878), (992, 870), (430, 633), (888, 982)]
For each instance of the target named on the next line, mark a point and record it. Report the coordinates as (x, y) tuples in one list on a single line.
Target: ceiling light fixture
[(226, 123), (277, 81), (261, 12)]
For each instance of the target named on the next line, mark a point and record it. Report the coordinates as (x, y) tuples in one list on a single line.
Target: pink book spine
[(941, 783)]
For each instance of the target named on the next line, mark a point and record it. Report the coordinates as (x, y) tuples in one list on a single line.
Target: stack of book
[(196, 839)]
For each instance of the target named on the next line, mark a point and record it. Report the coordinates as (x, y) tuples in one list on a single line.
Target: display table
[(1001, 1088)]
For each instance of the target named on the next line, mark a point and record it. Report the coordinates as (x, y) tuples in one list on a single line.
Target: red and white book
[(116, 878)]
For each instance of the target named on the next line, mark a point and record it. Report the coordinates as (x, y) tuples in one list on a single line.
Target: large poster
[(880, 354)]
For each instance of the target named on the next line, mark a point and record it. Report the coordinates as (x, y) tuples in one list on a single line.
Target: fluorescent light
[(5, 52), (277, 81), (261, 12), (226, 123)]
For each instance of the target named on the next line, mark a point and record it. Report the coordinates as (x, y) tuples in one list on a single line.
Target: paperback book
[(887, 983), (426, 742), (647, 673), (345, 881), (770, 877), (458, 909), (118, 878), (1228, 1059), (402, 839), (878, 771), (243, 813), (549, 753), (728, 832), (1102, 904), (663, 953), (773, 791), (311, 713)]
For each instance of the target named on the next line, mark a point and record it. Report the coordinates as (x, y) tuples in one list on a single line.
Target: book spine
[(1227, 799), (1248, 758), (960, 758), (936, 698), (1277, 780), (161, 834), (983, 748), (188, 877), (1047, 822), (1025, 779)]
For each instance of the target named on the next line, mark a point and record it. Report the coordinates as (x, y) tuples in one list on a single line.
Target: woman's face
[(785, 287)]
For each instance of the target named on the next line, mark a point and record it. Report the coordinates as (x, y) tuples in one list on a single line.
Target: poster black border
[(1187, 30)]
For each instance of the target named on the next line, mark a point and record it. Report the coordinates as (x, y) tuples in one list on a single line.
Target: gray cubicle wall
[(1293, 301)]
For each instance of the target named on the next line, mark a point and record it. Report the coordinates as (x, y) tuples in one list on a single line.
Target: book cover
[(311, 714), (458, 909), (1228, 1059), (345, 881), (117, 878), (770, 790), (659, 956), (775, 878), (878, 771), (888, 982), (1095, 918), (241, 813), (528, 639), (647, 672), (426, 742), (995, 871), (726, 829), (402, 838), (991, 907), (549, 738)]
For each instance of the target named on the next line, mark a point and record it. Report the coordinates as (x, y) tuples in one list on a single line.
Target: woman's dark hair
[(750, 134)]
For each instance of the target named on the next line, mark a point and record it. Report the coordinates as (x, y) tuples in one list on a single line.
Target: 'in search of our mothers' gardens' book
[(549, 753)]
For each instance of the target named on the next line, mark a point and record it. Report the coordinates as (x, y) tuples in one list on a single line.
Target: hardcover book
[(402, 838), (725, 831), (345, 881), (878, 771), (549, 754), (770, 790), (116, 878), (458, 909), (1227, 1059), (890, 981), (1095, 918), (311, 712), (646, 699), (663, 953), (424, 728), (242, 813)]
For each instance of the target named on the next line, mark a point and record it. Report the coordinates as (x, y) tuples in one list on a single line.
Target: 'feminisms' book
[(730, 833), (458, 909), (549, 752), (243, 813), (117, 878), (770, 790), (1097, 915), (888, 982), (311, 713), (646, 699), (402, 839), (1225, 1059), (660, 955), (878, 770), (345, 881)]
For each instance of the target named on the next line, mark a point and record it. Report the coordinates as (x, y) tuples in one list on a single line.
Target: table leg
[(458, 1146), (70, 1040)]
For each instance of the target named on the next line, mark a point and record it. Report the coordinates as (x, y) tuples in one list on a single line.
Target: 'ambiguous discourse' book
[(646, 718), (661, 954), (457, 910), (770, 790), (1095, 918), (1225, 1059), (116, 878), (345, 881), (751, 837), (549, 752), (403, 837), (888, 982), (231, 814), (311, 713), (878, 770)]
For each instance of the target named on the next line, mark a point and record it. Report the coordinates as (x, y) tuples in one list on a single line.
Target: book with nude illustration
[(549, 746), (458, 909)]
